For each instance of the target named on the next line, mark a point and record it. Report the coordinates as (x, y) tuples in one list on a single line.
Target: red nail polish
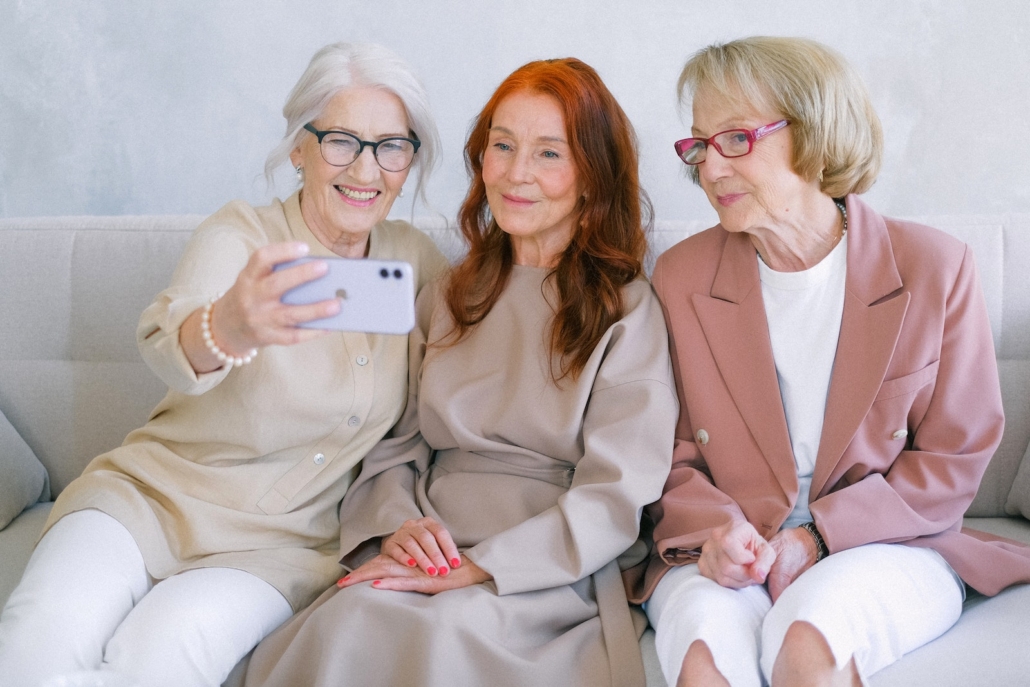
[(339, 582), (375, 583), (444, 571), (411, 562), (430, 571), (455, 562)]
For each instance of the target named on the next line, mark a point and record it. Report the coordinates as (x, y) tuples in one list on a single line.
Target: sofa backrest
[(72, 288)]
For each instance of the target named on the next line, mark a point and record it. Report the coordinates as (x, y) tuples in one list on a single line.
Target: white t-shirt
[(804, 312)]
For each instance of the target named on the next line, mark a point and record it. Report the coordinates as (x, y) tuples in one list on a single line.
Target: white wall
[(129, 107)]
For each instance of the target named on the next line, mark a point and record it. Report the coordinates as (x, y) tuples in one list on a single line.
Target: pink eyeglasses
[(731, 143)]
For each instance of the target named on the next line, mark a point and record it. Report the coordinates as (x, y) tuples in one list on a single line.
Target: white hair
[(342, 65)]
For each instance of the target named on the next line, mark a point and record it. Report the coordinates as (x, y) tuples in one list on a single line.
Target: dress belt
[(558, 472)]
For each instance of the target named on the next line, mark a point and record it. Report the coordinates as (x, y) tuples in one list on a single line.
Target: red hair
[(607, 249)]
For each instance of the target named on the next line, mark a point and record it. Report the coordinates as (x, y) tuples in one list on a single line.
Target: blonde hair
[(836, 134)]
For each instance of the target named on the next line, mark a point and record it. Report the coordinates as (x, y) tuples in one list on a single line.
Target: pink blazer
[(912, 418)]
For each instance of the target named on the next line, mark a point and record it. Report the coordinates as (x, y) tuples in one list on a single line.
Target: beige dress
[(542, 485), (245, 467)]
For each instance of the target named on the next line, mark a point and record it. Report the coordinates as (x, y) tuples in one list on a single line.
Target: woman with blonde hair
[(839, 399)]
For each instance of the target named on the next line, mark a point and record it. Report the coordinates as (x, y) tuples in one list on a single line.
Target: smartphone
[(376, 296)]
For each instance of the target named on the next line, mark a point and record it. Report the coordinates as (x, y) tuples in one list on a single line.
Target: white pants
[(875, 603), (86, 602)]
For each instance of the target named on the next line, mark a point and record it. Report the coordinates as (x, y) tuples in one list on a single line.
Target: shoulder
[(691, 263), (401, 238), (642, 322), (636, 348), (920, 249), (398, 240), (237, 218), (639, 300)]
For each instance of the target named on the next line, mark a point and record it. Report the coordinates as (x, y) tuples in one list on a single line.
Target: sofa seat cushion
[(1017, 529), (25, 480), (16, 543), (987, 646)]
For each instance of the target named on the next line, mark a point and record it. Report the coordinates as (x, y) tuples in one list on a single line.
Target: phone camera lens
[(397, 274), (384, 273)]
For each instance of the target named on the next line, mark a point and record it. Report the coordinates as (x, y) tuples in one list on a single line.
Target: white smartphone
[(376, 296)]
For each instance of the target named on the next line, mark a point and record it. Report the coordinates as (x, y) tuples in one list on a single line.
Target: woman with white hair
[(173, 555)]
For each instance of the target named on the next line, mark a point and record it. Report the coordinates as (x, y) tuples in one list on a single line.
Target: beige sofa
[(72, 384)]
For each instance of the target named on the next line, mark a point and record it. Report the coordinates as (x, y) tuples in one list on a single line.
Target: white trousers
[(86, 602), (875, 602)]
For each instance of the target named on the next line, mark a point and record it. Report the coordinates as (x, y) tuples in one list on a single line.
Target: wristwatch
[(821, 551)]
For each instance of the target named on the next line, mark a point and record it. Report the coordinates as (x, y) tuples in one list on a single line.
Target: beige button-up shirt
[(246, 467)]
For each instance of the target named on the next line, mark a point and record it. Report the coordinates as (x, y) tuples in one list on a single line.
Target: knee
[(805, 658), (699, 668)]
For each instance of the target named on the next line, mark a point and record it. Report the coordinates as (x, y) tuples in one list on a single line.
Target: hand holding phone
[(376, 296)]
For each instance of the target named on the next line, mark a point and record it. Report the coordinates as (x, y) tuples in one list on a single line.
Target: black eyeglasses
[(732, 143), (341, 149)]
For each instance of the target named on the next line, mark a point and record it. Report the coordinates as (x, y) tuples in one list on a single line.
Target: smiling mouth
[(729, 198), (357, 195), (517, 200)]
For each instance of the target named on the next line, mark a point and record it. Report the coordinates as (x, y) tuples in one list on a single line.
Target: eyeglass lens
[(393, 154), (733, 143)]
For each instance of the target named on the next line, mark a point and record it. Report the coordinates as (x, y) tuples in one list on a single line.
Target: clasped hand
[(419, 557), (737, 556)]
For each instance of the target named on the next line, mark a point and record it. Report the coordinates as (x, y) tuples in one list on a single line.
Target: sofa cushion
[(17, 542), (25, 480), (1019, 497), (993, 495)]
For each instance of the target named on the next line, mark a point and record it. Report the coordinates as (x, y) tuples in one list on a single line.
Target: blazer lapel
[(869, 330), (734, 323)]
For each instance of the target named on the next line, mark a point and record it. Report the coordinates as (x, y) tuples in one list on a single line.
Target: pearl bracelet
[(209, 341)]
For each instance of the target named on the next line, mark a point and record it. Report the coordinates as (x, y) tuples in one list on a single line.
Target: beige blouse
[(245, 467)]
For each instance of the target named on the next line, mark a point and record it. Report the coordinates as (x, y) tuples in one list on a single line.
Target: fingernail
[(375, 583), (430, 571), (411, 562), (455, 562), (339, 582), (444, 571)]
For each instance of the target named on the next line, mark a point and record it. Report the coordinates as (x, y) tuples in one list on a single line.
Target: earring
[(820, 175), (300, 174), (401, 194)]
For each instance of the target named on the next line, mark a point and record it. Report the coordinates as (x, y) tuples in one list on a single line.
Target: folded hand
[(424, 543), (736, 556), (795, 553), (387, 573)]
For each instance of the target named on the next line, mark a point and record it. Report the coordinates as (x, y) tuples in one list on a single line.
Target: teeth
[(357, 195)]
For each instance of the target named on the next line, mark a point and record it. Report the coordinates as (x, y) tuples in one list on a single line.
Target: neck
[(342, 243), (803, 240), (536, 252)]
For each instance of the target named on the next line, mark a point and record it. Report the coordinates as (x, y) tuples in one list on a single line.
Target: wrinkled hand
[(795, 553), (386, 573), (736, 556), (425, 543), (251, 315)]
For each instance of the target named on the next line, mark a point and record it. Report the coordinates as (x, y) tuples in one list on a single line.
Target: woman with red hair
[(540, 423)]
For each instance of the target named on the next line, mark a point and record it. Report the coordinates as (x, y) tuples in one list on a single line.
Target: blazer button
[(319, 458), (702, 437), (900, 434)]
